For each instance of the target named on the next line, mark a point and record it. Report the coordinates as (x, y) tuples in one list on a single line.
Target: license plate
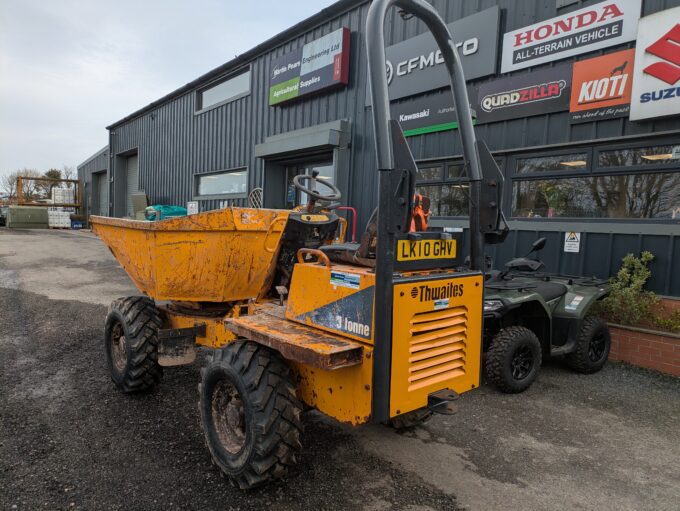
[(425, 249)]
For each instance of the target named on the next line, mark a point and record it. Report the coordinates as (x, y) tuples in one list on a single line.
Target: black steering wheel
[(310, 190)]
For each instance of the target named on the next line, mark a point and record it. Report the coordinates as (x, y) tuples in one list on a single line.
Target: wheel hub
[(522, 363), (229, 417), (597, 347), (118, 348)]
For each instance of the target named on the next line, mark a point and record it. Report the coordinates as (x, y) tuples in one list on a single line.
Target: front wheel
[(592, 346), (250, 414), (514, 359), (131, 343)]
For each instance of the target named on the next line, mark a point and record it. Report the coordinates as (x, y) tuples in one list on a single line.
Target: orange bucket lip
[(224, 255)]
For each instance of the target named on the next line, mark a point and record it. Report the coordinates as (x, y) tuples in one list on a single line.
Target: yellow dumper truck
[(385, 330)]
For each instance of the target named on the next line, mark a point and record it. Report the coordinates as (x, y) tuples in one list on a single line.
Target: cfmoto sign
[(415, 65), (426, 61)]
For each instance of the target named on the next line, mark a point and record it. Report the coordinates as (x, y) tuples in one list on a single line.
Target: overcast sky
[(69, 68)]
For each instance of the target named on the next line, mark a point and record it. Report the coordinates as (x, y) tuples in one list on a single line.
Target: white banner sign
[(591, 28), (656, 79)]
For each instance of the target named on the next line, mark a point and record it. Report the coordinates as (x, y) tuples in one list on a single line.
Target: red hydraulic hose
[(354, 220)]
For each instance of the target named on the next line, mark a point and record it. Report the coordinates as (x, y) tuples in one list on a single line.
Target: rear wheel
[(131, 343), (514, 359), (592, 346), (250, 414)]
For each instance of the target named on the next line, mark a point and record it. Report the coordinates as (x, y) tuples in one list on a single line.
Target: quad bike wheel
[(592, 346), (411, 419), (131, 343), (513, 359), (250, 414)]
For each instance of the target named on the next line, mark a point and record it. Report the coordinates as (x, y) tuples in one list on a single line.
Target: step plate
[(296, 342)]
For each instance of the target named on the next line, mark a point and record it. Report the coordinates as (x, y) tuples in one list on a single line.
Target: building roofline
[(316, 19), (104, 149)]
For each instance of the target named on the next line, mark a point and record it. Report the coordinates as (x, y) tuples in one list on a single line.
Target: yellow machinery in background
[(386, 330)]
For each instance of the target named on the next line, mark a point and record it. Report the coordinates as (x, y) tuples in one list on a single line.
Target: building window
[(657, 155), (445, 184), (225, 183), (227, 90), (631, 196), (556, 163), (621, 183)]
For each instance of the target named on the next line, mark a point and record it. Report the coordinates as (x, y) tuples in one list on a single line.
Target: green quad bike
[(530, 315)]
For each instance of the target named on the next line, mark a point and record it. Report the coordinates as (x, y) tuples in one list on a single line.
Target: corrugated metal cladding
[(174, 143), (90, 173)]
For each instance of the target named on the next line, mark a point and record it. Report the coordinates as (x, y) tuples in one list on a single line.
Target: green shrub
[(630, 304)]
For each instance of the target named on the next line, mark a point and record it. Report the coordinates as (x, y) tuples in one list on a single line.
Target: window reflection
[(639, 156), (623, 196), (559, 163), (232, 182)]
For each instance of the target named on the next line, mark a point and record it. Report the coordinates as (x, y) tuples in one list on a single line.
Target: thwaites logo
[(429, 293), (524, 95), (668, 49)]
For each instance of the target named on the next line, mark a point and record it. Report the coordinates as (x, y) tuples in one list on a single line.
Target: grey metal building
[(578, 169)]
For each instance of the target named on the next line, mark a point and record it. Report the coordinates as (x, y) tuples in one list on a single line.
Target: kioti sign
[(601, 87), (537, 93), (656, 81), (317, 66), (591, 28)]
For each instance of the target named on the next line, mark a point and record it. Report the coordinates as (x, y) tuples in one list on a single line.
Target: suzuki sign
[(656, 81), (591, 28)]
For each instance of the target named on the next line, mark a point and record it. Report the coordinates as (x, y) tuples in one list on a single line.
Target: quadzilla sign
[(597, 26), (416, 65), (317, 66), (656, 80), (601, 87), (536, 93)]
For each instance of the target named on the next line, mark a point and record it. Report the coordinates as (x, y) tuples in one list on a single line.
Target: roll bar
[(381, 104)]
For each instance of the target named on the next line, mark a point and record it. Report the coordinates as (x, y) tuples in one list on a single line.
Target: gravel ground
[(69, 440)]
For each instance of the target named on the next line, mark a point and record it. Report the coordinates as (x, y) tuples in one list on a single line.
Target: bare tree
[(68, 172), (31, 188)]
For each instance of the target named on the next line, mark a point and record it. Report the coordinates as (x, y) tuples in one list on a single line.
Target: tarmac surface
[(70, 440)]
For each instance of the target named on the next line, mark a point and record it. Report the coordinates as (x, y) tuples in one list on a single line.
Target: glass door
[(293, 196)]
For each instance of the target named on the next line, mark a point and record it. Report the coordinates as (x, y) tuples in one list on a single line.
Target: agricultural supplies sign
[(601, 87), (416, 65), (591, 28), (536, 93), (656, 80), (317, 66)]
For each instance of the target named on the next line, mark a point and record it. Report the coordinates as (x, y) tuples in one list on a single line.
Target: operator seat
[(361, 254), (550, 290)]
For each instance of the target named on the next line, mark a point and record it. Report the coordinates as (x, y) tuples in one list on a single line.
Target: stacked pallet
[(63, 195), (57, 218)]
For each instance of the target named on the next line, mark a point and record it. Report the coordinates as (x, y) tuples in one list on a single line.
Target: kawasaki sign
[(416, 65), (315, 67)]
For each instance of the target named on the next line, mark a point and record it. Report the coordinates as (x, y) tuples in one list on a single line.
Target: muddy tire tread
[(143, 321), (276, 412)]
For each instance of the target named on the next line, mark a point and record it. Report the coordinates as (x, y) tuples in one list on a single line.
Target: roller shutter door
[(103, 194), (132, 183)]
